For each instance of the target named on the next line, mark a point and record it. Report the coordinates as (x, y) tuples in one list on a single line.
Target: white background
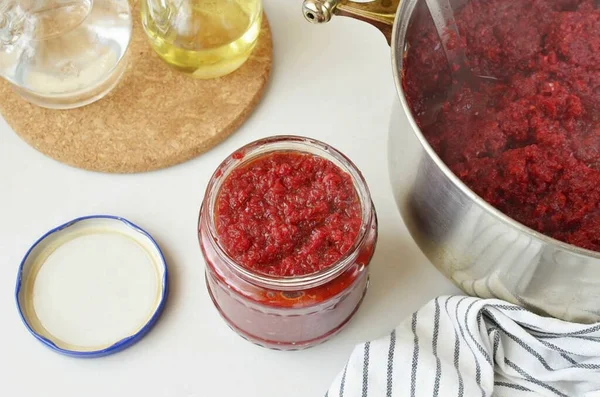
[(332, 82)]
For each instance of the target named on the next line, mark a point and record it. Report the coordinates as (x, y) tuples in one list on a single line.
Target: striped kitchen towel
[(464, 346)]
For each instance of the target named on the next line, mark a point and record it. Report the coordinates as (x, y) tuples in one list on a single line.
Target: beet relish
[(288, 214), (528, 143), (287, 229)]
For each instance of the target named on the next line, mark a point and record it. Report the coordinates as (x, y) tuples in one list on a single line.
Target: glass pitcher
[(63, 53), (204, 38)]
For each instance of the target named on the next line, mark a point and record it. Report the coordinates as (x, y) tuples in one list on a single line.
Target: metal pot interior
[(482, 250), (408, 10)]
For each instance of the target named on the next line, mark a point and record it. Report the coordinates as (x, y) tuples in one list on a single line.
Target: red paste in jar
[(288, 214), (528, 143)]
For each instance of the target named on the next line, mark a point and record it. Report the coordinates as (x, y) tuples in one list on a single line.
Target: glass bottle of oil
[(205, 38)]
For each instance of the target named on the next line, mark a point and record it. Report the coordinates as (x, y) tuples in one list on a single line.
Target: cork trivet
[(156, 117)]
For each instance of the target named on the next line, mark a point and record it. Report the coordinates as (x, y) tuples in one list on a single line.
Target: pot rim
[(397, 52)]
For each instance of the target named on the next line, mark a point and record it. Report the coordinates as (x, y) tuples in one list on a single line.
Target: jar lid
[(92, 287)]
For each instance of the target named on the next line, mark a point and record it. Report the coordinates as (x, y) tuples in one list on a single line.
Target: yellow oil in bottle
[(205, 38)]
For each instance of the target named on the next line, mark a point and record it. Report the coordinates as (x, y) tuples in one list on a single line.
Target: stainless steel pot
[(483, 251)]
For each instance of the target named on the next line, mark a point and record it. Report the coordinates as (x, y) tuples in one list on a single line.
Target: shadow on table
[(402, 280)]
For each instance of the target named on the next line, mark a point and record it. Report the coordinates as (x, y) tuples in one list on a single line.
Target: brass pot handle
[(379, 13)]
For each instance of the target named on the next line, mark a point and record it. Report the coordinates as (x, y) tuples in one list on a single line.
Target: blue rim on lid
[(41, 247)]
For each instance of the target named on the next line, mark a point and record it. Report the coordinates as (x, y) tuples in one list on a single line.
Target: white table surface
[(331, 82)]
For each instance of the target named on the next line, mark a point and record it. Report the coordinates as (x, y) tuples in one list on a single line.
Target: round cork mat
[(156, 117)]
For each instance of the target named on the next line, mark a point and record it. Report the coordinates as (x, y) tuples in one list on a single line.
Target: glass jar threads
[(287, 228)]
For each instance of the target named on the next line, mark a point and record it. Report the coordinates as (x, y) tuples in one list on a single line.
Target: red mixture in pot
[(528, 143), (288, 214)]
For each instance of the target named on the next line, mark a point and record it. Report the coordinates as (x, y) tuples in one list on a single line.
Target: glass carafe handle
[(13, 27), (162, 12)]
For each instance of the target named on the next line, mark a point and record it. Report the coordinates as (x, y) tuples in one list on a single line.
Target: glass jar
[(203, 38), (63, 54), (294, 312)]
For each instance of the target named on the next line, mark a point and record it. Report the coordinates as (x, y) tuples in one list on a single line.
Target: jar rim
[(286, 143)]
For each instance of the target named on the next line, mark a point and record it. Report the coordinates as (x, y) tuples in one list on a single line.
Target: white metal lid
[(92, 287)]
